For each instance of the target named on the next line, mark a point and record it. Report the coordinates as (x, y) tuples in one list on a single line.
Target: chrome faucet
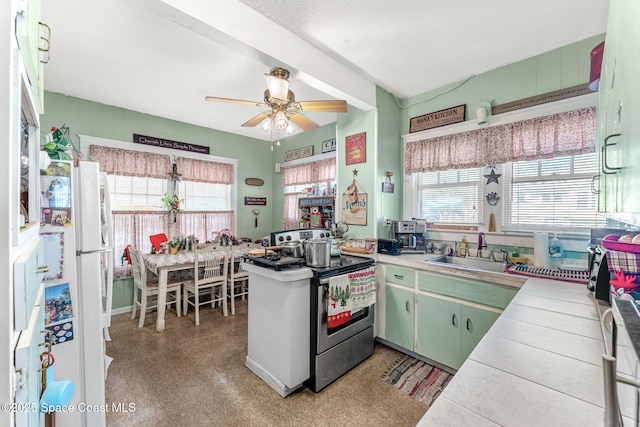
[(505, 256), (482, 244)]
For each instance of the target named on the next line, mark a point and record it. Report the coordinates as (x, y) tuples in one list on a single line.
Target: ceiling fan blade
[(255, 121), (234, 101), (329, 106), (302, 121)]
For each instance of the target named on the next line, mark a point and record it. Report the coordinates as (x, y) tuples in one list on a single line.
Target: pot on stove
[(293, 248), (318, 252)]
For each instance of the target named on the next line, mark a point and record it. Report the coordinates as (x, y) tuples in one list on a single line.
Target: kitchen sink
[(468, 263)]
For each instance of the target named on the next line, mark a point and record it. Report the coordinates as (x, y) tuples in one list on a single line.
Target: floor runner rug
[(418, 379)]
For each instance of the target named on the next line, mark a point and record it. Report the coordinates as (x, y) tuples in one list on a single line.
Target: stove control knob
[(280, 238), (288, 237)]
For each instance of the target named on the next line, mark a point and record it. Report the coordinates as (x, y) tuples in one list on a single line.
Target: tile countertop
[(539, 365)]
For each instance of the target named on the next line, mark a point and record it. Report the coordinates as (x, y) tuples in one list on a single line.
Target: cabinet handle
[(47, 40), (453, 319), (605, 166), (468, 324), (407, 307), (594, 188), (42, 269), (399, 276)]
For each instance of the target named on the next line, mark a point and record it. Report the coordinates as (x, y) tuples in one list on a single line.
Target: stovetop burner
[(275, 261)]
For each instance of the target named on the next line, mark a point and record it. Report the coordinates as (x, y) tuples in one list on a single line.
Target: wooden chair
[(210, 274), (148, 288), (237, 280)]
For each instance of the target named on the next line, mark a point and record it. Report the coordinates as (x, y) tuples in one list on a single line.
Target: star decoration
[(492, 177), (355, 173), (174, 175)]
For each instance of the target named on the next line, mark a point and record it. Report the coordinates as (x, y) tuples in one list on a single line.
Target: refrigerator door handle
[(105, 250)]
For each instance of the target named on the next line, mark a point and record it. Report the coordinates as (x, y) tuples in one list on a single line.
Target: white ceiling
[(162, 57)]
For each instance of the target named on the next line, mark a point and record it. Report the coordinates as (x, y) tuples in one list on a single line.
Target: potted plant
[(174, 245), (172, 203)]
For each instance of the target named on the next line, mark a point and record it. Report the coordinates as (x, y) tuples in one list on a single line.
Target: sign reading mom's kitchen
[(167, 143)]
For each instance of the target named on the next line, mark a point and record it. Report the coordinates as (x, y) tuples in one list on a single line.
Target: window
[(551, 193), (203, 196), (138, 179), (546, 194), (131, 193), (448, 197)]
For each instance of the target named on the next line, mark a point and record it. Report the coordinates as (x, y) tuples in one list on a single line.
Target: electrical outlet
[(386, 222)]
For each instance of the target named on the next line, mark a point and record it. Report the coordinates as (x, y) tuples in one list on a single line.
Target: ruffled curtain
[(205, 171), (561, 134), (290, 214), (309, 173), (204, 224), (116, 161), (134, 228)]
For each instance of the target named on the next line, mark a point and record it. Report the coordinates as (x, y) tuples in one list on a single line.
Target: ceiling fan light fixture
[(266, 124), (291, 129), (278, 87), (281, 121)]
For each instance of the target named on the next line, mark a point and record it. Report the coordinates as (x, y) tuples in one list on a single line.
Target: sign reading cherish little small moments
[(167, 143)]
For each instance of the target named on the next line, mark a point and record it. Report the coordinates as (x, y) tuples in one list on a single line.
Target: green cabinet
[(400, 275), (476, 322), (439, 330), (399, 325), (618, 128), (448, 331)]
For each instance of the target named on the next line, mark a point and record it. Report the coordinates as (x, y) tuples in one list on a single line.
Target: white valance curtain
[(309, 173), (561, 134)]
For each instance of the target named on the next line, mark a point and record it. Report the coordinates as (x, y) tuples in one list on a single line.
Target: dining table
[(162, 264)]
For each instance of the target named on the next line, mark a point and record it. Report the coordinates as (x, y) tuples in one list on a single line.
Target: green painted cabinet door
[(439, 323), (476, 322), (399, 326)]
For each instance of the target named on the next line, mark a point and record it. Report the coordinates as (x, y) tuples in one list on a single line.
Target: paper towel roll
[(541, 250)]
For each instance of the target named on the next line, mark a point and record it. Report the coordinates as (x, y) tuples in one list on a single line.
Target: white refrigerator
[(78, 249)]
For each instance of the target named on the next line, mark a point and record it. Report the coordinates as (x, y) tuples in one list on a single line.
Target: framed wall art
[(356, 148)]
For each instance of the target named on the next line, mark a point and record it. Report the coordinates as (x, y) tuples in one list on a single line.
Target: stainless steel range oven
[(335, 351)]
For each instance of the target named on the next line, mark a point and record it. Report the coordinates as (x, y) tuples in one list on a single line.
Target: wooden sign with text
[(556, 95), (167, 143), (437, 119), (255, 201)]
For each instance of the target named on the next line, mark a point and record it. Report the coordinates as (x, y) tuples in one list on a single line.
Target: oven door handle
[(324, 281)]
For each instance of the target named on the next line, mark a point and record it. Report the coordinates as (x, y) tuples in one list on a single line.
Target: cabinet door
[(439, 323), (475, 323), (618, 129), (399, 326)]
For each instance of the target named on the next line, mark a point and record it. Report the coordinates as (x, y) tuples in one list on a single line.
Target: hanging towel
[(349, 293)]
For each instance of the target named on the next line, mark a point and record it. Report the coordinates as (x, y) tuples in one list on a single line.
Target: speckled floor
[(195, 376)]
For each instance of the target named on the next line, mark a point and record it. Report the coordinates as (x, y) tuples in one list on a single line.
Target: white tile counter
[(539, 365)]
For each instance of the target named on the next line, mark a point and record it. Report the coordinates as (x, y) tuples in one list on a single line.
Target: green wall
[(254, 156), (557, 69), (352, 122), (389, 160)]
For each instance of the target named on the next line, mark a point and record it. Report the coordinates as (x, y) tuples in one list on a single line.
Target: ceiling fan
[(283, 107)]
